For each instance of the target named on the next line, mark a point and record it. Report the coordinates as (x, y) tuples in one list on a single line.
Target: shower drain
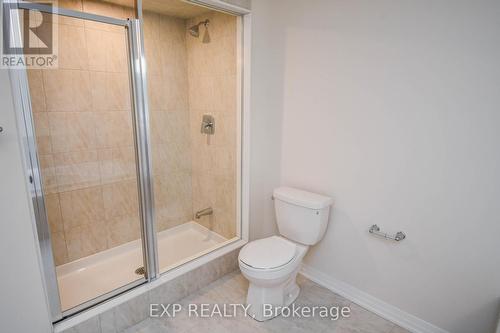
[(140, 271)]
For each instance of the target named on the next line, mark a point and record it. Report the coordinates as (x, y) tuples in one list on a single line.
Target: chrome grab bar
[(399, 236)]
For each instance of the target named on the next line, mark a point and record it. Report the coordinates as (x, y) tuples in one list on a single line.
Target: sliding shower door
[(89, 193)]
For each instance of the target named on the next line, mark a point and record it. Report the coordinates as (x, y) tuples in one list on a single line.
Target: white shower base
[(92, 276)]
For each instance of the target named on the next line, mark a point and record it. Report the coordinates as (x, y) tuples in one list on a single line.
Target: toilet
[(271, 264)]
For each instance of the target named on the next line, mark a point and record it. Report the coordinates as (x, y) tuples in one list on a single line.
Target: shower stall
[(134, 142)]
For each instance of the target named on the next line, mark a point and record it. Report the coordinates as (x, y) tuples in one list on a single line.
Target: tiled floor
[(231, 289)]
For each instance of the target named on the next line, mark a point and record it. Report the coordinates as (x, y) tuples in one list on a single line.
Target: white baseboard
[(384, 310)]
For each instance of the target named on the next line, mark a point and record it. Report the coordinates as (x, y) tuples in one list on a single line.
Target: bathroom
[(236, 152)]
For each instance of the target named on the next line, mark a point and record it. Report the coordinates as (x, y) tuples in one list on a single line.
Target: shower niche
[(129, 187)]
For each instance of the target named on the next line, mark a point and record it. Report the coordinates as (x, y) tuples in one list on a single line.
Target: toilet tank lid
[(302, 198)]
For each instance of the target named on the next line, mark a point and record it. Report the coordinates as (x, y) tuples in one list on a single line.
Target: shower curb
[(135, 310)]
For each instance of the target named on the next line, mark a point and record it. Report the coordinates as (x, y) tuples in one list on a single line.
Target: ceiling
[(176, 8)]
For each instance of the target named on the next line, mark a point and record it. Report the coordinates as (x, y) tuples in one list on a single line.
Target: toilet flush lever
[(375, 230)]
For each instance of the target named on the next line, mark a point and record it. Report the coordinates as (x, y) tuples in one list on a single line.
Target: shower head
[(195, 30)]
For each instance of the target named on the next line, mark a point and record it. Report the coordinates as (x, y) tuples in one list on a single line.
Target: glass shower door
[(89, 191)]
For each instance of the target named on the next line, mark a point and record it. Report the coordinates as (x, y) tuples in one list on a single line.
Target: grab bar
[(399, 236)]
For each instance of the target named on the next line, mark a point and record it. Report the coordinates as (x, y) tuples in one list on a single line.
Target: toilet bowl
[(271, 264), (272, 278)]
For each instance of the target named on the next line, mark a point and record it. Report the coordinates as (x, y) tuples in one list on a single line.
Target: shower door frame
[(138, 78), (140, 120)]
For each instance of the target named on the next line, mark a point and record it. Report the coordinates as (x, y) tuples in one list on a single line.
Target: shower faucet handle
[(208, 124)]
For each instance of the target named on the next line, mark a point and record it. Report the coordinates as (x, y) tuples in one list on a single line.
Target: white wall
[(392, 108), (266, 117), (22, 302)]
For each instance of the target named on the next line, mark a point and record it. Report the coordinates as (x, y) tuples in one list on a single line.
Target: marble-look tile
[(90, 325), (122, 229), (225, 136), (171, 158), (48, 171), (76, 170), (180, 323), (107, 321), (174, 290), (42, 131), (147, 326), (174, 62), (86, 137), (96, 52), (131, 312), (204, 159), (73, 5), (114, 129), (117, 164), (117, 52), (85, 240), (59, 249), (67, 90), (110, 91), (172, 30), (151, 26), (222, 285), (159, 127), (105, 9), (227, 93), (225, 223), (173, 198), (37, 93), (156, 98), (118, 90), (212, 90), (72, 47), (120, 199), (152, 50), (204, 190), (72, 131), (232, 288), (190, 282), (82, 207), (53, 208)]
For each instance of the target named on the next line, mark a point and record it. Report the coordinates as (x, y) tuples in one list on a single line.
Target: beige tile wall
[(84, 130), (212, 90), (83, 124), (165, 46)]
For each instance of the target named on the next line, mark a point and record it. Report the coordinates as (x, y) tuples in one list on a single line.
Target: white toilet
[(271, 264)]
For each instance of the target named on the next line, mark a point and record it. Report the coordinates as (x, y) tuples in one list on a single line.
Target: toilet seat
[(268, 253)]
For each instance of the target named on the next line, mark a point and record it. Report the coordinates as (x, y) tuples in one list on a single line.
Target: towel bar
[(399, 236)]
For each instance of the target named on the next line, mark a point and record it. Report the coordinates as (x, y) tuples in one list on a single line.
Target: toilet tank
[(301, 216)]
